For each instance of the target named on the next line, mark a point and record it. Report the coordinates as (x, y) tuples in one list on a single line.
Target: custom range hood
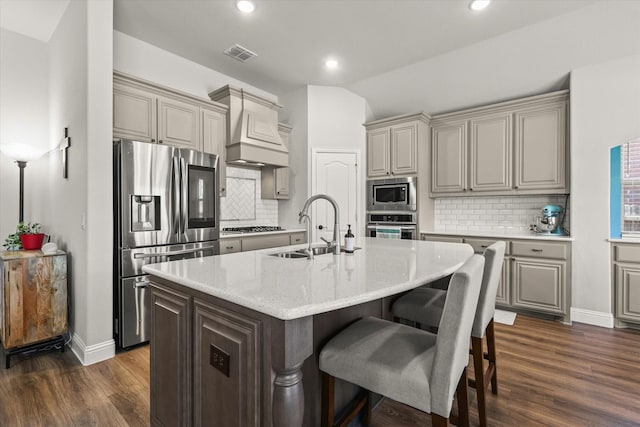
[(253, 138)]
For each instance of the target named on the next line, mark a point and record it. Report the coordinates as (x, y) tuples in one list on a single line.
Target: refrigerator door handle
[(176, 202), (139, 289), (169, 253), (184, 202)]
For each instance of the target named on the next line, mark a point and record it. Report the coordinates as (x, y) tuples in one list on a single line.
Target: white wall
[(75, 210), (141, 59), (332, 118), (605, 111), (24, 118), (295, 113)]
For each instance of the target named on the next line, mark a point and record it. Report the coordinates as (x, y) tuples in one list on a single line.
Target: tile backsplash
[(243, 205), (500, 213)]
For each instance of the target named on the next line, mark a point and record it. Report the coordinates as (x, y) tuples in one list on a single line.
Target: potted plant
[(27, 237)]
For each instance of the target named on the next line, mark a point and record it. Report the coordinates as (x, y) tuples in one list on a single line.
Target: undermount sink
[(301, 253)]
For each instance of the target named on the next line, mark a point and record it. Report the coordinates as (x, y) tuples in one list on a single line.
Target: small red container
[(31, 242)]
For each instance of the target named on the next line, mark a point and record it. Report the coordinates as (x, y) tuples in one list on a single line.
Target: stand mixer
[(550, 222)]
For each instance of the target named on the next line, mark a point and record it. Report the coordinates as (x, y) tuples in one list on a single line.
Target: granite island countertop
[(288, 288)]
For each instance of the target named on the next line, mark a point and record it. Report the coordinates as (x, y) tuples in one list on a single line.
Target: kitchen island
[(235, 338)]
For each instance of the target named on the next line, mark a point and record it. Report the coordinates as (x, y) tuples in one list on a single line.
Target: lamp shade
[(20, 152)]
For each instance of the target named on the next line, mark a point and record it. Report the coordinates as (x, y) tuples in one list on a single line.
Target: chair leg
[(439, 421), (480, 385), (328, 388), (462, 394), (491, 350)]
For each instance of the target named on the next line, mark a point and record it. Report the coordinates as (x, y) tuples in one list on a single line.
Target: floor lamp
[(21, 154)]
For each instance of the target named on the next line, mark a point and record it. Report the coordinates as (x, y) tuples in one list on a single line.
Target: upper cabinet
[(144, 111), (516, 147), (392, 145), (275, 181)]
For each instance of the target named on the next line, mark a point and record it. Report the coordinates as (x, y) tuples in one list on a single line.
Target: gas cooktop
[(252, 229)]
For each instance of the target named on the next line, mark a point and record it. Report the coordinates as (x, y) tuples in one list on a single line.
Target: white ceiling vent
[(240, 53)]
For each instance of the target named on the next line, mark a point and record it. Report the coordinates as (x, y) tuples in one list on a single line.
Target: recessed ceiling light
[(245, 6), (331, 64), (479, 4)]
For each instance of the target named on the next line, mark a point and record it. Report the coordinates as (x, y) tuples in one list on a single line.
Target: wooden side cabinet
[(33, 297)]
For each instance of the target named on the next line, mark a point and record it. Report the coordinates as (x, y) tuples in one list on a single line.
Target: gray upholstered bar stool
[(425, 307), (415, 367)]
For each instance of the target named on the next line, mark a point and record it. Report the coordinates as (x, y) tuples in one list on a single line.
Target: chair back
[(451, 354), (493, 259)]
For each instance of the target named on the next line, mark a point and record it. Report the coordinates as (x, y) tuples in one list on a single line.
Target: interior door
[(335, 173)]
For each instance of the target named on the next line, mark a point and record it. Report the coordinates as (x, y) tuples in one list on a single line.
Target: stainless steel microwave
[(395, 194)]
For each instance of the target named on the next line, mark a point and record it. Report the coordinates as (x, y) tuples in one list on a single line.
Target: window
[(631, 187)]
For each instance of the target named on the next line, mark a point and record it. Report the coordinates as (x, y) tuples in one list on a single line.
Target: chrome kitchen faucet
[(335, 243)]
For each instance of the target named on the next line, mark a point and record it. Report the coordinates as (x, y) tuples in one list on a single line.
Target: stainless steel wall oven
[(399, 225)]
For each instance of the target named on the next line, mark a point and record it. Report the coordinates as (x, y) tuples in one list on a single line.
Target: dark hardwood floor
[(549, 375)]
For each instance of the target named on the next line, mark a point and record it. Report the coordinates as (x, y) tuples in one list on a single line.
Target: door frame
[(360, 180)]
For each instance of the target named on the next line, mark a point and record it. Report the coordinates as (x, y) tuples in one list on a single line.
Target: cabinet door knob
[(515, 186), (159, 141), (153, 140), (471, 189)]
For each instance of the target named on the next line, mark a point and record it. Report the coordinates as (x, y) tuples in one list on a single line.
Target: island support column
[(291, 344)]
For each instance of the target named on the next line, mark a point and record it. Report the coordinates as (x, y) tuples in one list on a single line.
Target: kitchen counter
[(505, 234), (293, 288), (235, 234), (235, 337)]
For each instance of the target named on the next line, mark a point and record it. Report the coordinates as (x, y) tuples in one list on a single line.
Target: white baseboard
[(590, 317), (88, 355)]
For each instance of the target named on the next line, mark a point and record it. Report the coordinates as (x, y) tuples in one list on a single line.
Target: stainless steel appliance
[(252, 229), (165, 208), (395, 194), (401, 224)]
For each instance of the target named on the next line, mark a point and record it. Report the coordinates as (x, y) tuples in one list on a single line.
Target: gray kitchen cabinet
[(449, 157), (144, 111), (392, 145), (276, 181), (170, 357), (297, 238), (178, 124), (227, 354), (514, 147), (229, 246), (535, 273), (253, 243), (214, 137), (490, 153), (134, 113), (540, 276), (540, 139), (626, 279)]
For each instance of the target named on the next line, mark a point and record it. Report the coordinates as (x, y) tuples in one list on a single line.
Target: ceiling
[(37, 19), (402, 56), (293, 38)]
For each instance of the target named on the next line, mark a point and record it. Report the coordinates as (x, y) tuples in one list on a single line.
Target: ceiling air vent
[(240, 53)]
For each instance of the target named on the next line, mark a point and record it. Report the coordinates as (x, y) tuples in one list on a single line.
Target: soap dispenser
[(349, 241)]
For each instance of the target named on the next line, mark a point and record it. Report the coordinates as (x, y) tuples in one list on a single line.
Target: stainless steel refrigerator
[(166, 207)]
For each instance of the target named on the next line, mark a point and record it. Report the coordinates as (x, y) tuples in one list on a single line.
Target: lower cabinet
[(626, 279), (205, 362), (539, 284), (226, 367), (252, 243), (170, 358), (535, 274)]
